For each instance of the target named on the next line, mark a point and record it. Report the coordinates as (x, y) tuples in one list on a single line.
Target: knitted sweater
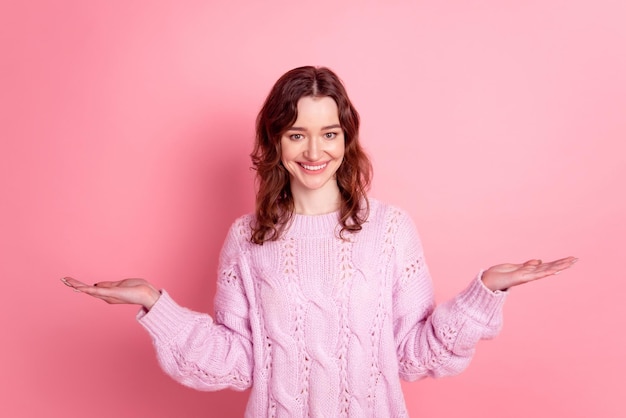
[(323, 327)]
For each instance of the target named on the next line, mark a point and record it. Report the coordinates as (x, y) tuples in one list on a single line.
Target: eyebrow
[(325, 128)]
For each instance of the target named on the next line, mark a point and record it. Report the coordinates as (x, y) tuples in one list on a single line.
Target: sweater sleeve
[(200, 351), (436, 341)]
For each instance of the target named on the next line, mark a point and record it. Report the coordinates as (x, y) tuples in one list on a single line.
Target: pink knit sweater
[(321, 326)]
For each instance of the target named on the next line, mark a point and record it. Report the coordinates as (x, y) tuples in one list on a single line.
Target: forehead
[(317, 110)]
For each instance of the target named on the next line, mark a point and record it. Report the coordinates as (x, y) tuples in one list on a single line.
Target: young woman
[(323, 299)]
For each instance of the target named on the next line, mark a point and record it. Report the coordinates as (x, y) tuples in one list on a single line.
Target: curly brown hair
[(274, 202)]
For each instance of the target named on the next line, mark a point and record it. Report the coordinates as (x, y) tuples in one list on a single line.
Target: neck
[(316, 202)]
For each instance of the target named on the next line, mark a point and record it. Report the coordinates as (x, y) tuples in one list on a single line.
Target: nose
[(313, 150)]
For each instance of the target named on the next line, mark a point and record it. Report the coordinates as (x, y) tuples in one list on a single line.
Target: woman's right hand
[(128, 291)]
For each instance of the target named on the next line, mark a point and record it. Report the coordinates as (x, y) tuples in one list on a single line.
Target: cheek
[(284, 150), (339, 148), (286, 155)]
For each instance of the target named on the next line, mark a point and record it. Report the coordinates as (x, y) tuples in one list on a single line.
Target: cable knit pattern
[(320, 326)]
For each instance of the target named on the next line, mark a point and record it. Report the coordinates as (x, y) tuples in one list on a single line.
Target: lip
[(313, 168)]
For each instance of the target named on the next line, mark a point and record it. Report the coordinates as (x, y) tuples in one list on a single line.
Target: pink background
[(126, 128)]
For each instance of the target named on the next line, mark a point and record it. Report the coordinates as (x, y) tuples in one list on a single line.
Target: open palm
[(127, 291), (504, 276)]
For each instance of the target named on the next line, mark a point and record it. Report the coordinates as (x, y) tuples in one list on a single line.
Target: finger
[(115, 294), (119, 283), (99, 292), (549, 269), (568, 261), (534, 262), (106, 298), (68, 281), (562, 264)]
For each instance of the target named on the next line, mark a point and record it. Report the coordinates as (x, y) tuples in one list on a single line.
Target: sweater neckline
[(313, 225), (324, 225)]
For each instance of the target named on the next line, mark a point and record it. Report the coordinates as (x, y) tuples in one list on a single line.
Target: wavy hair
[(274, 202)]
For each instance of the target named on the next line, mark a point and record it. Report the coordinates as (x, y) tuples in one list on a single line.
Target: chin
[(313, 186)]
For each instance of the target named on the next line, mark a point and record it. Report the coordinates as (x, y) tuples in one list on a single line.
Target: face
[(313, 148)]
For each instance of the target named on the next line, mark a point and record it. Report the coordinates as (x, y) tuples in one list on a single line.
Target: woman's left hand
[(504, 276)]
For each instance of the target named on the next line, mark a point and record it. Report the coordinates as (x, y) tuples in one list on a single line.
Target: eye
[(330, 135), (296, 137)]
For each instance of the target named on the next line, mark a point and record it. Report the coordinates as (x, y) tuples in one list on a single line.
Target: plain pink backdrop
[(126, 128)]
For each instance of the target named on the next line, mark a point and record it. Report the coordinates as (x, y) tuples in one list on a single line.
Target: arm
[(197, 350), (193, 348), (441, 341), (436, 341)]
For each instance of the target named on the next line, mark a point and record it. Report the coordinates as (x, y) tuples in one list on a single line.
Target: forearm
[(443, 342), (196, 351)]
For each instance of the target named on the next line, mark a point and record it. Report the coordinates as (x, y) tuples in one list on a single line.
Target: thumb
[(106, 284)]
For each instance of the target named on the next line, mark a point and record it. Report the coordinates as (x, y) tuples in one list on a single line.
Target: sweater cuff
[(163, 320), (481, 304)]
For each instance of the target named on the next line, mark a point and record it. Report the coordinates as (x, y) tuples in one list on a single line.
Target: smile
[(313, 167)]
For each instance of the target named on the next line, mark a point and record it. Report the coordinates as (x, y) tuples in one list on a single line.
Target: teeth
[(313, 167)]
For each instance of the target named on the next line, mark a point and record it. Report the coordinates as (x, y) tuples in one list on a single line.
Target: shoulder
[(393, 223), (242, 227), (238, 237), (381, 213)]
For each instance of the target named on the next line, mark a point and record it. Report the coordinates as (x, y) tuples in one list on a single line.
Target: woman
[(323, 299)]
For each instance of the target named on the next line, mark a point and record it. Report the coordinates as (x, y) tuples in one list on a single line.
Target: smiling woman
[(324, 300), (312, 152), (319, 93)]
